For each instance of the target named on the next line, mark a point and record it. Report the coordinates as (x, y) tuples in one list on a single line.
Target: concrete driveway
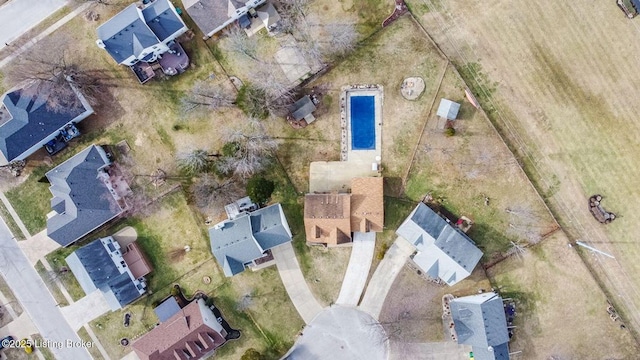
[(341, 333), (19, 16), (81, 312), (36, 300), (297, 288), (358, 269), (385, 275), (429, 351)]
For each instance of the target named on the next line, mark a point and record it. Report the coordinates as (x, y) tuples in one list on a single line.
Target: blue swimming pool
[(363, 121)]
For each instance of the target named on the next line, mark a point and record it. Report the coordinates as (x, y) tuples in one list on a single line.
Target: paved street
[(358, 269), (385, 275), (35, 299), (19, 16), (297, 288)]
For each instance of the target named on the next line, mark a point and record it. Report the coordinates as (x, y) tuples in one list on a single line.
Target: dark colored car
[(5, 342)]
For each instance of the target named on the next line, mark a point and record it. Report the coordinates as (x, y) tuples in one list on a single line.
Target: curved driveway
[(297, 287), (35, 299), (358, 269)]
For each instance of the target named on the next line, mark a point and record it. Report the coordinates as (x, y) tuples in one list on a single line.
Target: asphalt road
[(19, 16), (36, 300)]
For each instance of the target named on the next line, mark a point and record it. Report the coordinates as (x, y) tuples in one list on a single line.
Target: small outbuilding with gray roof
[(448, 109), (141, 34), (480, 321), (443, 251), (100, 265), (238, 243), (83, 197), (28, 122)]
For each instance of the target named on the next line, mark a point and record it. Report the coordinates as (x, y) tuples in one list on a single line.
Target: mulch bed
[(401, 9)]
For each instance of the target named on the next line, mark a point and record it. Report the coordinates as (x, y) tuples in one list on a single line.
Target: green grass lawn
[(11, 223), (57, 261), (46, 353), (93, 350), (32, 200), (47, 278)]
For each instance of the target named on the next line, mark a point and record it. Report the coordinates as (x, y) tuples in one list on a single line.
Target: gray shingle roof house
[(100, 265), (167, 309), (212, 16), (303, 109), (443, 251), (237, 243), (27, 122), (448, 109), (141, 34), (480, 322), (83, 196)]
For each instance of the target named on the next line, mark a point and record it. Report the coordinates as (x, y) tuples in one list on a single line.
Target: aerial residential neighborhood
[(315, 179)]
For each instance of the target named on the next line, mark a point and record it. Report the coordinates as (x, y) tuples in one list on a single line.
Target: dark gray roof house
[(237, 243), (443, 251), (27, 122), (167, 309), (480, 322), (303, 109), (83, 198), (100, 265), (141, 34), (212, 16)]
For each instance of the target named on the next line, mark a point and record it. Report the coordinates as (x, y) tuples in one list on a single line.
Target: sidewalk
[(44, 34)]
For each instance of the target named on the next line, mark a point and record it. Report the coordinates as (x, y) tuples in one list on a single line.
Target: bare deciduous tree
[(240, 43), (209, 192), (50, 70), (292, 14), (194, 162), (254, 152), (342, 38), (524, 223), (206, 96)]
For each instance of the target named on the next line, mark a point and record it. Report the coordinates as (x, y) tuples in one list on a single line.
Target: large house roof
[(26, 119), (162, 19), (132, 30), (244, 239), (327, 218), (97, 266), (367, 204), (208, 14), (193, 330), (480, 322), (81, 200), (443, 251), (331, 218)]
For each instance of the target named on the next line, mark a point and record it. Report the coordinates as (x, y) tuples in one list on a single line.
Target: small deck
[(175, 61), (143, 71)]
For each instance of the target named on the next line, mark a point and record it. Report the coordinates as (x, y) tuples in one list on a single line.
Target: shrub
[(260, 189), (449, 131), (253, 101)]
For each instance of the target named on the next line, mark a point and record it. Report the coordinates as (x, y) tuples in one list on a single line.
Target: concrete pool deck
[(326, 176)]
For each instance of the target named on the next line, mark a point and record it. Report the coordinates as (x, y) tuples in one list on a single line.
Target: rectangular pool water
[(363, 118)]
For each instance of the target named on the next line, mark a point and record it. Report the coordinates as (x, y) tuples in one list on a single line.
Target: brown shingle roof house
[(327, 218), (367, 204), (192, 333), (331, 218)]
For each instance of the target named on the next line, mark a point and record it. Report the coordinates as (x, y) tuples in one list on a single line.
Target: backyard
[(566, 106)]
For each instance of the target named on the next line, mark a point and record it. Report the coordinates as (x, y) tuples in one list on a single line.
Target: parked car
[(5, 342)]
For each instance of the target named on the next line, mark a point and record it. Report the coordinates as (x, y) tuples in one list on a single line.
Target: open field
[(566, 103), (555, 297)]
